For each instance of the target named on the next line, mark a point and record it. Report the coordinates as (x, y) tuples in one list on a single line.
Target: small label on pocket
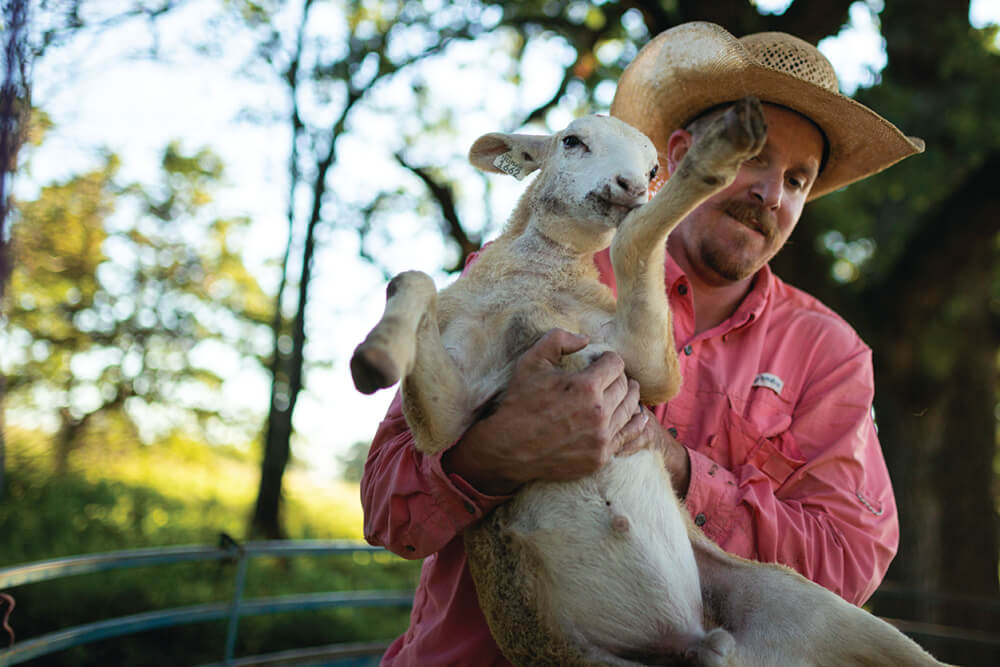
[(769, 380)]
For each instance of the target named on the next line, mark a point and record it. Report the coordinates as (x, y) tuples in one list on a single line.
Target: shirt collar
[(752, 306)]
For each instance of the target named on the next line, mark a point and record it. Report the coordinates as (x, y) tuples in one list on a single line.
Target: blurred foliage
[(175, 492), (352, 461), (172, 491), (121, 296)]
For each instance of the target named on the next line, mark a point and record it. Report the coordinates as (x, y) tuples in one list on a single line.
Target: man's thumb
[(556, 343)]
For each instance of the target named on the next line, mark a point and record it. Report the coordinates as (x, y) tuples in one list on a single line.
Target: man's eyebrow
[(808, 169)]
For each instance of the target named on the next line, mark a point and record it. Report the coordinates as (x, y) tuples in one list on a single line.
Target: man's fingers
[(605, 370), (555, 344), (630, 436), (626, 403), (623, 394), (616, 395)]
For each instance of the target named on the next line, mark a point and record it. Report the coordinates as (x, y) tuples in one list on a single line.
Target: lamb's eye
[(572, 141), (652, 173)]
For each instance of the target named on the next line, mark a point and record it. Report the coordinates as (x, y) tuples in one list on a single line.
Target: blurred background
[(207, 197)]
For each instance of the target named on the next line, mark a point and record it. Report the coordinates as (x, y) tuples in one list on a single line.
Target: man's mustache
[(752, 213)]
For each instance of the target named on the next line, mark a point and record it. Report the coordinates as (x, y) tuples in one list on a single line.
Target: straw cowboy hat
[(695, 66)]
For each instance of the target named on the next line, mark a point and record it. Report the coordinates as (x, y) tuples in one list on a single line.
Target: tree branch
[(15, 113), (584, 41), (811, 21), (452, 225), (55, 36)]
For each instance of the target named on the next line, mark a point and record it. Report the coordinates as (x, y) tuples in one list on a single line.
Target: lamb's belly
[(616, 554)]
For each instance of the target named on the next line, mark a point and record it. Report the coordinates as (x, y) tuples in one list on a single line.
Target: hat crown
[(696, 66), (791, 55)]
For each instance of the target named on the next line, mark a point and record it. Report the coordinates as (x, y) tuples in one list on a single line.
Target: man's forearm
[(469, 459), (411, 505), (677, 461)]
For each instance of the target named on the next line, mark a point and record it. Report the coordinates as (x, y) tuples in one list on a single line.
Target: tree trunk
[(266, 517), (266, 520), (277, 445), (3, 437), (66, 440), (15, 111)]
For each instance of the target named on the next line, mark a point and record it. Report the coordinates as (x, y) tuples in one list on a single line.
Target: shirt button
[(688, 350), (699, 519), (682, 289), (672, 431)]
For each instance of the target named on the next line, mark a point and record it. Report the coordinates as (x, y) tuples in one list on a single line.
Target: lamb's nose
[(631, 187)]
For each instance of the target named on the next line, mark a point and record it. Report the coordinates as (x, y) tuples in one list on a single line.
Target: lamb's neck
[(538, 252), (578, 237)]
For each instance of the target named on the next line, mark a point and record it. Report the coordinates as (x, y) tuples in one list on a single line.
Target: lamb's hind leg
[(406, 344), (644, 334)]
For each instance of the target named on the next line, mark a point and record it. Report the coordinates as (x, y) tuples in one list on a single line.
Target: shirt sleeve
[(816, 497), (412, 507)]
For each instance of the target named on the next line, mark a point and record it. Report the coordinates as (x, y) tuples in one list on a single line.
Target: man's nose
[(767, 189)]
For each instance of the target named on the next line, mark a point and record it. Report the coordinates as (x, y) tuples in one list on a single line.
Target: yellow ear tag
[(508, 165)]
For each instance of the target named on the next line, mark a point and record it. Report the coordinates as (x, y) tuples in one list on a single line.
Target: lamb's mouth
[(611, 207)]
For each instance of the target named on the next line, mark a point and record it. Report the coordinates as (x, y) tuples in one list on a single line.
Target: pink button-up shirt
[(775, 411)]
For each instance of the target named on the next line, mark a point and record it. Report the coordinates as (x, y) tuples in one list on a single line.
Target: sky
[(98, 96)]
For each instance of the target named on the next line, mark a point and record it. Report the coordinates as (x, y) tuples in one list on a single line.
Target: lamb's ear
[(514, 154)]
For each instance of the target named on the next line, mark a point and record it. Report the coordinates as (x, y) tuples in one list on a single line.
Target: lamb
[(608, 569)]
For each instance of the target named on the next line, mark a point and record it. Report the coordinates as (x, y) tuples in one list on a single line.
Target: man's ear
[(514, 154), (678, 144)]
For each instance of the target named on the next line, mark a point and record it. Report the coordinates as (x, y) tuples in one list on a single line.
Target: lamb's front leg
[(406, 344), (643, 328)]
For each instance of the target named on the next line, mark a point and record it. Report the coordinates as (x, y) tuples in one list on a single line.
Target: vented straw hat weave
[(695, 66)]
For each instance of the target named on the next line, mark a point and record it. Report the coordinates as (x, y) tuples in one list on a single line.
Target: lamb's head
[(591, 175)]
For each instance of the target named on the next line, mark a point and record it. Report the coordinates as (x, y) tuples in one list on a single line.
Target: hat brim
[(696, 66)]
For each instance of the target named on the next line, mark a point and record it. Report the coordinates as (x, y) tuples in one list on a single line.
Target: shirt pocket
[(756, 433)]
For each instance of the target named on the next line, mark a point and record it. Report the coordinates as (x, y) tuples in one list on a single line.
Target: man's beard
[(729, 265), (736, 265)]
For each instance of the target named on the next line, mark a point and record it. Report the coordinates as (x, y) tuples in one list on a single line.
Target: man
[(770, 441)]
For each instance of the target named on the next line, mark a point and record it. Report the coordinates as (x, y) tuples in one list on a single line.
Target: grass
[(173, 493)]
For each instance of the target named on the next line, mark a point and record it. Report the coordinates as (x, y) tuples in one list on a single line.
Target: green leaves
[(116, 285)]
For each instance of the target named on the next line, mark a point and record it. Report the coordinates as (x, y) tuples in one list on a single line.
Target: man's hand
[(551, 424)]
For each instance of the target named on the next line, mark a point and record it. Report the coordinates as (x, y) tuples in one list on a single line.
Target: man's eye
[(572, 141)]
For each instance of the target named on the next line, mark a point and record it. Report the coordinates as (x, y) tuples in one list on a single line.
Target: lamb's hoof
[(731, 138), (744, 127), (714, 650), (373, 369)]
